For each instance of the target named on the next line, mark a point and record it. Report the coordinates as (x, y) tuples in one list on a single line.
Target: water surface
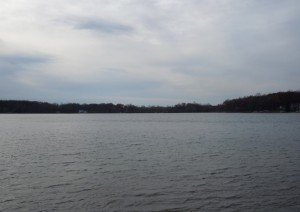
[(150, 162)]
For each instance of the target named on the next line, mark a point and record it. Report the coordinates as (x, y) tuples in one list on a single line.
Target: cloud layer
[(147, 52)]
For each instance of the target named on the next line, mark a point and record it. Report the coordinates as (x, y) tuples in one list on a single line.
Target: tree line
[(275, 102)]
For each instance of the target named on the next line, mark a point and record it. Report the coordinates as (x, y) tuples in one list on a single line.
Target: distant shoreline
[(46, 113), (280, 102)]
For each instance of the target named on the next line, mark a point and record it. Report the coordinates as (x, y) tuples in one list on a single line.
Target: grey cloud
[(104, 26), (16, 63), (26, 59)]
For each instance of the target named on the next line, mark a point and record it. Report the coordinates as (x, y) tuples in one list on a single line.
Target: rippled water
[(150, 162)]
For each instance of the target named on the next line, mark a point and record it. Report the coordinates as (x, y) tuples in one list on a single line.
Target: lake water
[(150, 162)]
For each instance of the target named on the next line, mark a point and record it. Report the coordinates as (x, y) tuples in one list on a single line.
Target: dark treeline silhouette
[(275, 102)]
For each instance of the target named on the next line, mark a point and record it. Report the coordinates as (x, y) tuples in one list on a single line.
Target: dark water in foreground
[(150, 162)]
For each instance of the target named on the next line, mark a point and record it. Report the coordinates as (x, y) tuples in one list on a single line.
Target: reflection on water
[(150, 162)]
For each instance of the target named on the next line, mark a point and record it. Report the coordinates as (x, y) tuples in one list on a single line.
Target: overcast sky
[(147, 52)]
